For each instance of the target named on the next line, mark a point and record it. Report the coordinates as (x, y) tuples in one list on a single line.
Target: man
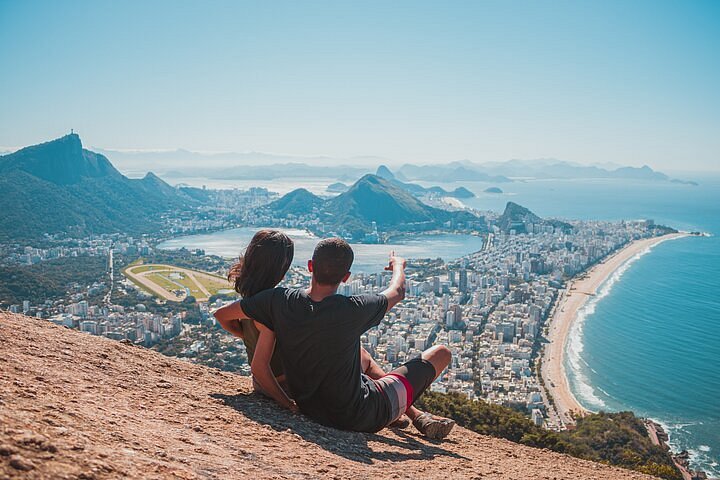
[(318, 335)]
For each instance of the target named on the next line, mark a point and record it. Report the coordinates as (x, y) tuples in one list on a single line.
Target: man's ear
[(345, 278), (310, 266)]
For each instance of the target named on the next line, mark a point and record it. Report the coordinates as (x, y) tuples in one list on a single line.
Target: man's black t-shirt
[(319, 346)]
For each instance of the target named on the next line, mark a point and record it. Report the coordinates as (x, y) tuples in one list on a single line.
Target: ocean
[(650, 341)]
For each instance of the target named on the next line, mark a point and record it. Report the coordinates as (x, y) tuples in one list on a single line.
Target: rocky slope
[(81, 407)]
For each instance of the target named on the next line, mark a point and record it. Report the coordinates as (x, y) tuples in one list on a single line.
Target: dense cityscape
[(489, 307)]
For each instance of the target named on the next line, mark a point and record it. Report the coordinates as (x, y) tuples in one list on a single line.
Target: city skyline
[(416, 83)]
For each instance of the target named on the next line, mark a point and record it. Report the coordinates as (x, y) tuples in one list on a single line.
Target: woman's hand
[(293, 407)]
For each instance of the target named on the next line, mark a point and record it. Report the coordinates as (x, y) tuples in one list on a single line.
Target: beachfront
[(569, 303)]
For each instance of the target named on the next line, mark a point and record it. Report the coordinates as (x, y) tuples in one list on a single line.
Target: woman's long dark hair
[(264, 264)]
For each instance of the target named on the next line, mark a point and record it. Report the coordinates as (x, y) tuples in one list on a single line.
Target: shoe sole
[(439, 430)]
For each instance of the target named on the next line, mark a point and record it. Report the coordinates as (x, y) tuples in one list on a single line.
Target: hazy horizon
[(626, 84)]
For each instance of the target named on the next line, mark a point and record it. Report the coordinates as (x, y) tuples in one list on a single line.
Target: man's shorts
[(405, 384)]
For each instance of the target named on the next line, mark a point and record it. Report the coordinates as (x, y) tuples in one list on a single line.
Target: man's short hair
[(332, 260)]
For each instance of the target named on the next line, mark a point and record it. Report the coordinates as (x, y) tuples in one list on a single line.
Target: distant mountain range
[(59, 187), (267, 166), (500, 172), (372, 199)]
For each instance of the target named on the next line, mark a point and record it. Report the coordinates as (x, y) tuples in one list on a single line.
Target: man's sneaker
[(432, 426)]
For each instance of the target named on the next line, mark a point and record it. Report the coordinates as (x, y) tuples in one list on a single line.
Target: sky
[(630, 83)]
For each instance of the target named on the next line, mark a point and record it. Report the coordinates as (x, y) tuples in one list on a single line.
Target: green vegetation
[(614, 438), (162, 280), (60, 188), (141, 268), (185, 259), (49, 280)]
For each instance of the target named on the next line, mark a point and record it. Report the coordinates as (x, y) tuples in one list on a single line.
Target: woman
[(263, 265)]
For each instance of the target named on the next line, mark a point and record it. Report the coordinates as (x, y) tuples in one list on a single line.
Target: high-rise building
[(450, 318), (463, 283)]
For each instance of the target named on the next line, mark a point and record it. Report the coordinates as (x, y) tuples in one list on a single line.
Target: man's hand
[(395, 261), (395, 292)]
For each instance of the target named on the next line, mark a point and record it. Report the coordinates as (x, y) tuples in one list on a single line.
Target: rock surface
[(81, 407)]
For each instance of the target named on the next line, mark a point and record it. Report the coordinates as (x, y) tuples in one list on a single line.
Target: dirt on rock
[(75, 406)]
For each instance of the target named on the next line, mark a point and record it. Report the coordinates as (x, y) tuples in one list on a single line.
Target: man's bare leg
[(428, 424)]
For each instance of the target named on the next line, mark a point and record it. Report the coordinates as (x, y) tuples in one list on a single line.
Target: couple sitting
[(304, 344)]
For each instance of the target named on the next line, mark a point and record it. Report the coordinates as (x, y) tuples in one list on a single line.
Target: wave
[(576, 366), (679, 438)]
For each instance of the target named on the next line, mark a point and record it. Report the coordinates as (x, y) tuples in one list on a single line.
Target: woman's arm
[(262, 372), (229, 318)]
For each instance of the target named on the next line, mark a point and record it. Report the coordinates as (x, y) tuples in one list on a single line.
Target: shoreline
[(570, 301)]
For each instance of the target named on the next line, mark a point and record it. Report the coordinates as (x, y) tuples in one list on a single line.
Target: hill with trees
[(59, 187), (613, 438)]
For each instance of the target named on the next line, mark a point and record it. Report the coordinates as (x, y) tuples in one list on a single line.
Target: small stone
[(6, 450), (20, 463)]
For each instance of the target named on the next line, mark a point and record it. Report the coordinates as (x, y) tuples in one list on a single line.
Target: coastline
[(569, 303)]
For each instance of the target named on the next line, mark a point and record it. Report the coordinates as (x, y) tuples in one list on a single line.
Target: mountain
[(79, 406), (59, 187), (541, 168), (384, 172), (185, 162), (452, 172), (518, 218), (297, 202), (371, 199), (337, 187), (418, 190)]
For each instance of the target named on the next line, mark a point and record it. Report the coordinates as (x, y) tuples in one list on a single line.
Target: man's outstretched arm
[(395, 292), (229, 317)]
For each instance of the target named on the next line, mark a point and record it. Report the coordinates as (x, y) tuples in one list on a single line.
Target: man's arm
[(395, 292), (229, 318), (262, 372)]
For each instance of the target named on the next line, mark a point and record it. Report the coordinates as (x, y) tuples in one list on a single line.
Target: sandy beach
[(571, 300)]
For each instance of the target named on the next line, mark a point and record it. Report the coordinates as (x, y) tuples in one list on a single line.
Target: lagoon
[(369, 258)]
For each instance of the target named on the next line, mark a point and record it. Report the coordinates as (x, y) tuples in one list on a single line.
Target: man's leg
[(417, 375), (373, 370), (438, 356)]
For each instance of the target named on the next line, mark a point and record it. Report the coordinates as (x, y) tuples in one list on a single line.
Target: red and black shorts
[(405, 384)]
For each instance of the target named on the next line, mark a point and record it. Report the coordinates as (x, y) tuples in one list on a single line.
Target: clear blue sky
[(630, 82)]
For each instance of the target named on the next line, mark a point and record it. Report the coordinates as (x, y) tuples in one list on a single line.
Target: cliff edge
[(81, 407)]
